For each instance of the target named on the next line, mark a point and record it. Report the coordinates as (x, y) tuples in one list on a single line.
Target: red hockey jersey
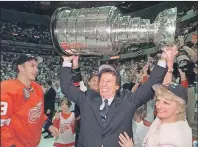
[(22, 114)]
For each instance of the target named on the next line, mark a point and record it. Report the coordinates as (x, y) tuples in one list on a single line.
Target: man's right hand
[(68, 58), (72, 58)]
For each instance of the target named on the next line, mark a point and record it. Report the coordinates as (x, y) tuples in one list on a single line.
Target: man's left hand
[(54, 131), (170, 53)]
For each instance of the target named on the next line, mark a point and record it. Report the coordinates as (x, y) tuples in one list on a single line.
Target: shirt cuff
[(67, 64), (162, 63)]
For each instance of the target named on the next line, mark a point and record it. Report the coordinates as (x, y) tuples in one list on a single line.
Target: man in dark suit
[(106, 114), (49, 103)]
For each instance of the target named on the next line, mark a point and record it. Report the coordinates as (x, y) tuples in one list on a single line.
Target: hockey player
[(22, 106)]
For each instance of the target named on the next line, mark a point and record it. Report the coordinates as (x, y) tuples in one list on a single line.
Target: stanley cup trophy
[(103, 30)]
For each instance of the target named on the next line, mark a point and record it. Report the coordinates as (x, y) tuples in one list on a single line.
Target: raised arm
[(71, 92), (168, 77), (144, 93)]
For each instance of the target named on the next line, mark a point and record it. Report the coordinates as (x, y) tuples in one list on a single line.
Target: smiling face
[(108, 85), (29, 70), (170, 107), (166, 110)]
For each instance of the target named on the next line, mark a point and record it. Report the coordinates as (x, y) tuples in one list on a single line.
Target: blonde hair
[(162, 91)]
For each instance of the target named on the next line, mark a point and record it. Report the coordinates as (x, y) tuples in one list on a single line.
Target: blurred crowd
[(187, 28), (48, 69), (129, 69), (22, 32)]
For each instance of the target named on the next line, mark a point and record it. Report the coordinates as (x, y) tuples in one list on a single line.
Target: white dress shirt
[(110, 100)]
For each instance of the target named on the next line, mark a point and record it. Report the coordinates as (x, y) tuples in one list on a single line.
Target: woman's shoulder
[(178, 133), (176, 127)]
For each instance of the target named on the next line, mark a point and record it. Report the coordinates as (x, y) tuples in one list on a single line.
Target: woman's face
[(166, 110)]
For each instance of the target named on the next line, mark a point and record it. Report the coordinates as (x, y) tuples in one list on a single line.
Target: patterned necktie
[(104, 111)]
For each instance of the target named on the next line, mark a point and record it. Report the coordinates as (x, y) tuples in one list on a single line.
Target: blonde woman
[(170, 128)]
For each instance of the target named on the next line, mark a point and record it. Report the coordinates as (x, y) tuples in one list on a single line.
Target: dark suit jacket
[(119, 116), (49, 100)]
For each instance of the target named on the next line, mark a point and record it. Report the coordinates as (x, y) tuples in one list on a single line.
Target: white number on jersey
[(4, 108)]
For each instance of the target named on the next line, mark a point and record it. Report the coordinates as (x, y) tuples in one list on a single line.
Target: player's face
[(94, 83), (30, 69)]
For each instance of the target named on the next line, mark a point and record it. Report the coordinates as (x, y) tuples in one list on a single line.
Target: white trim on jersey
[(5, 122)]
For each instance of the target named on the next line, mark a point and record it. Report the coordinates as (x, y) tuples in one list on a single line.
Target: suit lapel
[(96, 102)]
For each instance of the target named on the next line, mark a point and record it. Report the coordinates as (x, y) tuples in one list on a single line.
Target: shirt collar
[(110, 100)]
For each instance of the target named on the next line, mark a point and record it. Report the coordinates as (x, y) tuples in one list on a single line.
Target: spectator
[(65, 122), (49, 103), (59, 94)]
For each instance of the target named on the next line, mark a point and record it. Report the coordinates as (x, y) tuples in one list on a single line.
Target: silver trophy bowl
[(103, 30)]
